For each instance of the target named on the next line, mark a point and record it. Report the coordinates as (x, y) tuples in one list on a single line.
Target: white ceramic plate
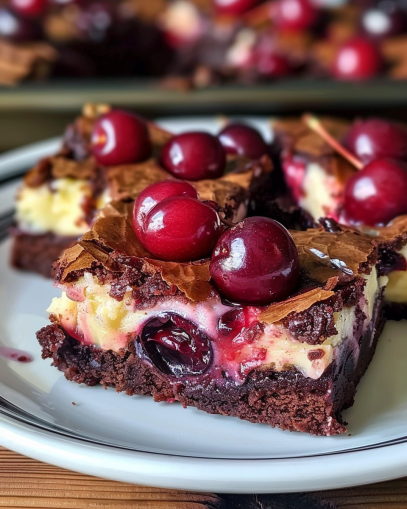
[(133, 439)]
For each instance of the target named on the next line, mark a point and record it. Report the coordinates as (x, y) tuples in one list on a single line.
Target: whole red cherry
[(234, 7), (255, 262), (181, 229), (119, 137), (375, 138), (376, 194), (29, 7), (272, 64), (243, 140), (385, 19), (194, 156), (357, 59), (19, 28), (155, 193), (293, 14)]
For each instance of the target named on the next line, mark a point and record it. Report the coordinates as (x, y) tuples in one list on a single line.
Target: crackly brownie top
[(74, 159), (328, 261), (393, 235), (125, 182), (295, 136)]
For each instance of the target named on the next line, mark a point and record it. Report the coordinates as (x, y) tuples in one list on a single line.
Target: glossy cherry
[(234, 7), (385, 19), (235, 321), (18, 28), (181, 229), (376, 194), (294, 14), (357, 59), (255, 262), (181, 23), (243, 140), (120, 137), (194, 156), (375, 138), (29, 7), (176, 346), (156, 193), (272, 64)]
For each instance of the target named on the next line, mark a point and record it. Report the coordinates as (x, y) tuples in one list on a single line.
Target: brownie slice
[(316, 175), (25, 60), (62, 194), (293, 364)]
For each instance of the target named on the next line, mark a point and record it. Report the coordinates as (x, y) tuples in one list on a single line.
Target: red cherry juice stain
[(15, 355)]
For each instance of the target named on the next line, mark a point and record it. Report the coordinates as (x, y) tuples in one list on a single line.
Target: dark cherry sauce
[(13, 354)]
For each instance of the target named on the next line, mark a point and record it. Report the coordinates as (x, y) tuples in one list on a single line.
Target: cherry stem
[(226, 221), (258, 15), (315, 125)]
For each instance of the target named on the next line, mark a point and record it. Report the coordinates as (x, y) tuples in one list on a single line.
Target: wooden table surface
[(28, 483)]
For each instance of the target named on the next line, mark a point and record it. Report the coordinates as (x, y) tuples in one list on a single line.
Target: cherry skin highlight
[(181, 229), (18, 28), (376, 138), (156, 193), (294, 14), (234, 7), (376, 194), (385, 19), (120, 137), (194, 156), (30, 8), (255, 262), (242, 140), (357, 59)]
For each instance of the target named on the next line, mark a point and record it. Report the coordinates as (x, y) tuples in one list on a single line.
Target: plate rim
[(278, 475), (202, 474)]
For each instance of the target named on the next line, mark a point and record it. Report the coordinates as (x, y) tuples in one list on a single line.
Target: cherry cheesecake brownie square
[(247, 320), (356, 174), (110, 154)]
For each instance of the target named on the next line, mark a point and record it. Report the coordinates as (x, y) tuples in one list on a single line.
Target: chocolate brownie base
[(37, 253), (285, 399)]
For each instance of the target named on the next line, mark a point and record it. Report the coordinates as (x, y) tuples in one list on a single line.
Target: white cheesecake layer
[(321, 196), (87, 312), (57, 207), (321, 193)]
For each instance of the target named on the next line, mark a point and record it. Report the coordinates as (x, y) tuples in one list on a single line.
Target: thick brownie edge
[(37, 253), (285, 399)]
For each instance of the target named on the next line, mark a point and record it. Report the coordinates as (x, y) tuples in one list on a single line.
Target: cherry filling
[(390, 261), (176, 346), (237, 331)]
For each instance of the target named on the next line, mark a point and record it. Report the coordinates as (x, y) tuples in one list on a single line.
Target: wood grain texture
[(26, 483)]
